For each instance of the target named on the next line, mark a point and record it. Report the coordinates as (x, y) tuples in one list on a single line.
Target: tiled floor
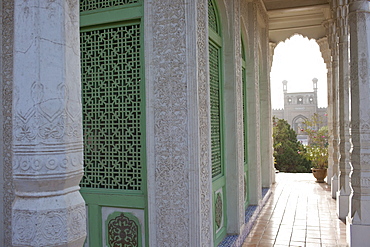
[(300, 212)]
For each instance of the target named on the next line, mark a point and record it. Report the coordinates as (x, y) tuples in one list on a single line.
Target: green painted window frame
[(97, 198), (219, 181), (245, 122)]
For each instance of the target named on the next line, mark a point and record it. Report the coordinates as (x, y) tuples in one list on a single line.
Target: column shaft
[(253, 102), (334, 150), (47, 128), (358, 220), (344, 145)]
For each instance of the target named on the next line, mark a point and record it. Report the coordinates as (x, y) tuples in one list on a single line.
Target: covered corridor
[(299, 212), (162, 110)]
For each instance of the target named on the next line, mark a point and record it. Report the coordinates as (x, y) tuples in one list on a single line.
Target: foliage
[(318, 156), (288, 151), (317, 148)]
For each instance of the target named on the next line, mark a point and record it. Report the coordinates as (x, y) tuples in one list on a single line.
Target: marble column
[(233, 122), (47, 125), (344, 190), (326, 55), (272, 47), (253, 103), (333, 103), (265, 112), (358, 220)]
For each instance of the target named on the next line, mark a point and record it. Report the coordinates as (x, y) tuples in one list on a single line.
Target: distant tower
[(285, 86), (314, 81), (285, 89)]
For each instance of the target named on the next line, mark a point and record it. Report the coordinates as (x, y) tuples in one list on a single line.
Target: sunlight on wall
[(297, 60)]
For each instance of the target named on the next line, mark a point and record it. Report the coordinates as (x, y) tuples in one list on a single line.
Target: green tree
[(288, 151)]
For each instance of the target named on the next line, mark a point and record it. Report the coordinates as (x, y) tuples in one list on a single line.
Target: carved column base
[(342, 205), (357, 235), (49, 221), (334, 186)]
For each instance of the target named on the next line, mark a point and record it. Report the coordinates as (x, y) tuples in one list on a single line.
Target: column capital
[(325, 50), (272, 47), (342, 19), (359, 6)]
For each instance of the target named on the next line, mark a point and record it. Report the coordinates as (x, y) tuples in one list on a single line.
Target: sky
[(297, 60)]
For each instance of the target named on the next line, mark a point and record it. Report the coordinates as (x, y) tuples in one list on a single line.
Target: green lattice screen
[(244, 113), (212, 17), (86, 5), (214, 70), (112, 108)]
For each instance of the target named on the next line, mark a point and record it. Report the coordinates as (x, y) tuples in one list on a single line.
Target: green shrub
[(289, 153)]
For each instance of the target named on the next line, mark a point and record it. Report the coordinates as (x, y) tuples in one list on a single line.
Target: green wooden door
[(216, 106), (114, 184)]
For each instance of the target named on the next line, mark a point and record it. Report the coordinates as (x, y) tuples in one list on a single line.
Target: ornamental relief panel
[(50, 119), (203, 111), (123, 230), (219, 211), (170, 120), (27, 164), (47, 227), (7, 93)]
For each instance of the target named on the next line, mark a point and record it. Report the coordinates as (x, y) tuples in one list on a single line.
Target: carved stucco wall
[(239, 111), (203, 109), (170, 116), (178, 123), (7, 93)]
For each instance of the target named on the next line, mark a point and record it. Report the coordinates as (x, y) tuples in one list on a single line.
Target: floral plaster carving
[(42, 123), (25, 164), (204, 123), (170, 119), (43, 228), (7, 94)]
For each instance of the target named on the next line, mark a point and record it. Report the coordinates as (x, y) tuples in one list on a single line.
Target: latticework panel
[(214, 70), (86, 5), (244, 114), (212, 17), (112, 108)]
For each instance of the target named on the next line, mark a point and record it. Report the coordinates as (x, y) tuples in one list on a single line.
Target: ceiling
[(289, 17)]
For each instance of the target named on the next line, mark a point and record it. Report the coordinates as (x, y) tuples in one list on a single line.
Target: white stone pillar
[(326, 55), (358, 220), (234, 132), (47, 125), (253, 103), (344, 190), (265, 112), (272, 47), (334, 150)]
